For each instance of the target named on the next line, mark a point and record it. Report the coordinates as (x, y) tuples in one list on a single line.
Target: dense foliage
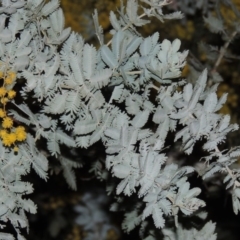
[(62, 97)]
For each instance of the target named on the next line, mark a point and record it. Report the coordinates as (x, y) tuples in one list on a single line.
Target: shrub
[(60, 94)]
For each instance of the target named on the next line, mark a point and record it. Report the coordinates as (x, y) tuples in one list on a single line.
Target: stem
[(223, 51), (155, 87), (128, 73), (127, 26), (236, 183), (133, 72)]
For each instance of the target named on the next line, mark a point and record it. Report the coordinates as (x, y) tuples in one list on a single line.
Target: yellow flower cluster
[(6, 93), (8, 133), (9, 138)]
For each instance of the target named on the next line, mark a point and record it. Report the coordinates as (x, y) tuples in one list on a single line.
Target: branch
[(223, 51)]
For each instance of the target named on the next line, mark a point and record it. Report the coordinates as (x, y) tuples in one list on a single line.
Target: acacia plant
[(59, 92)]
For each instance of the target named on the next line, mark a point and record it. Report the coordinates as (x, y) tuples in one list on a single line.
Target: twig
[(127, 26), (223, 51)]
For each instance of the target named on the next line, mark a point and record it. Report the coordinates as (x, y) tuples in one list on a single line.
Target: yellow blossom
[(7, 122), (12, 75), (8, 80), (3, 133), (4, 100), (20, 133), (11, 94), (2, 91), (9, 139), (19, 129), (2, 113), (6, 141), (12, 137)]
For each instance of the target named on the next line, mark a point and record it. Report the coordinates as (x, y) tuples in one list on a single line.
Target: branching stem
[(223, 51)]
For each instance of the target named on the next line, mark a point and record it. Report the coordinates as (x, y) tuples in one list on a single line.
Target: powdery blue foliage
[(207, 232), (66, 76)]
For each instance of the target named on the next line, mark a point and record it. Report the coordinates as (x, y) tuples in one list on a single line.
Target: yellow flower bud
[(12, 75), (8, 80), (4, 100), (3, 91), (11, 94), (7, 122), (2, 113)]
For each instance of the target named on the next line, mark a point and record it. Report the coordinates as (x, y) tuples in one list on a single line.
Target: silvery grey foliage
[(13, 189), (65, 77), (206, 233)]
